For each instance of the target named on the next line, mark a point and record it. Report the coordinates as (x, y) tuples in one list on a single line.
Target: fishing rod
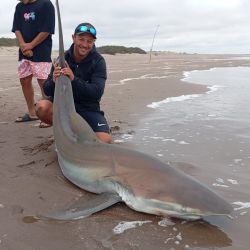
[(153, 42)]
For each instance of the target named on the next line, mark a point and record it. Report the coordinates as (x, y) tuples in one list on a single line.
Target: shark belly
[(92, 180)]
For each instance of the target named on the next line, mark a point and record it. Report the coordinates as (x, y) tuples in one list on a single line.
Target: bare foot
[(44, 125)]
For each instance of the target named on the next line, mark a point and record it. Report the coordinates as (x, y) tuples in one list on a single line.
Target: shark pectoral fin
[(82, 208)]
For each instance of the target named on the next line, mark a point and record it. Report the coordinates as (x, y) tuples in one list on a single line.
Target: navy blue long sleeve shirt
[(89, 82)]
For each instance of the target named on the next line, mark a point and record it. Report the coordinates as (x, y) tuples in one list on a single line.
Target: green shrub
[(8, 42), (112, 50)]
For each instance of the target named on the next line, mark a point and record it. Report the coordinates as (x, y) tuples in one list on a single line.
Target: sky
[(191, 26)]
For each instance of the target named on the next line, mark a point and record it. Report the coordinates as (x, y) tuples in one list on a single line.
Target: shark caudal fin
[(64, 107), (61, 44)]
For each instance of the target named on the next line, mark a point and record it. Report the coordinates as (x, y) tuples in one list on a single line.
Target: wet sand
[(32, 183)]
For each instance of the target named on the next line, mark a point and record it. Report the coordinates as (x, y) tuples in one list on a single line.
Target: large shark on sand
[(116, 174)]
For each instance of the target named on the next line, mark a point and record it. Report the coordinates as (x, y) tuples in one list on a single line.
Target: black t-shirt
[(31, 19)]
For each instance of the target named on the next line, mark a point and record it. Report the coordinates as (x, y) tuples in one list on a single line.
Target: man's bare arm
[(19, 37), (37, 40), (21, 42)]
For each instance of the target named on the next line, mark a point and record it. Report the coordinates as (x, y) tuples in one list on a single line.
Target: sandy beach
[(32, 183)]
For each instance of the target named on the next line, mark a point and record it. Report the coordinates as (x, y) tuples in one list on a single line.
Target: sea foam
[(125, 225)]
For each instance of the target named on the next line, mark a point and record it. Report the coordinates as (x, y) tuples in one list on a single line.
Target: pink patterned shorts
[(40, 70)]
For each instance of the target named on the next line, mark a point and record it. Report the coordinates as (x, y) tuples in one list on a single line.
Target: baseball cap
[(85, 28)]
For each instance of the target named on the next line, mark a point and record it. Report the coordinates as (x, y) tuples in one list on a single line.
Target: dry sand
[(31, 180)]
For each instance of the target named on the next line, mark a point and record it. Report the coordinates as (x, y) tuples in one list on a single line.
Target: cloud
[(207, 26)]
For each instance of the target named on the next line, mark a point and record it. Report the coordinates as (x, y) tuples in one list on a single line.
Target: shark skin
[(143, 182), (116, 173)]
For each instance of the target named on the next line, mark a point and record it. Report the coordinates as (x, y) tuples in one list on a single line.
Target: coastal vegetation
[(108, 49), (112, 50), (8, 42)]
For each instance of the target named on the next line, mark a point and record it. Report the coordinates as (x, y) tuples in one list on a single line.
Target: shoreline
[(31, 180), (140, 92)]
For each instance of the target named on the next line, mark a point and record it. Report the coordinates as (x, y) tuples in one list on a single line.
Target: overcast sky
[(193, 26)]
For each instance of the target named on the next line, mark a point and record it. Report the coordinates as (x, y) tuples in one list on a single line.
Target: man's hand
[(63, 71), (57, 72), (25, 47), (68, 72), (28, 53)]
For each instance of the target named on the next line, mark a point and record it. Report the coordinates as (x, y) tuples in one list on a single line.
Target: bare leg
[(44, 111), (41, 83), (28, 93), (104, 137)]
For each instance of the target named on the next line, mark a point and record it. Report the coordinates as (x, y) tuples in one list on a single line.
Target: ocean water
[(184, 126), (208, 136)]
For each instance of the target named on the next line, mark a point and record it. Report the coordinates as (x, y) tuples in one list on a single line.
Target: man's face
[(83, 43)]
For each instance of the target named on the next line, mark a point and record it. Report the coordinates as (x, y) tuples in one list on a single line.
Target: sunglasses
[(84, 28)]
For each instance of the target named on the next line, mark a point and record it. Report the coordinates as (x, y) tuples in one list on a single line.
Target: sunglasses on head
[(84, 28)]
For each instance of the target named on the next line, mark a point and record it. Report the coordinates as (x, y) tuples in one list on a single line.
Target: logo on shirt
[(29, 16)]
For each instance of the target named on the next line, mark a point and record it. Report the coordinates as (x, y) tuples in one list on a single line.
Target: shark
[(119, 174)]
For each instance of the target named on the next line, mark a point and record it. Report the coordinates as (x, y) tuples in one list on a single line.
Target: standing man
[(33, 24), (86, 69)]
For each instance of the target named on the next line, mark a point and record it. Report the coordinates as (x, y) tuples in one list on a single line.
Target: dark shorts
[(96, 120)]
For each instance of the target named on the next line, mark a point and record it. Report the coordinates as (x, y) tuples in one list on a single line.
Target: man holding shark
[(86, 69), (113, 172)]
